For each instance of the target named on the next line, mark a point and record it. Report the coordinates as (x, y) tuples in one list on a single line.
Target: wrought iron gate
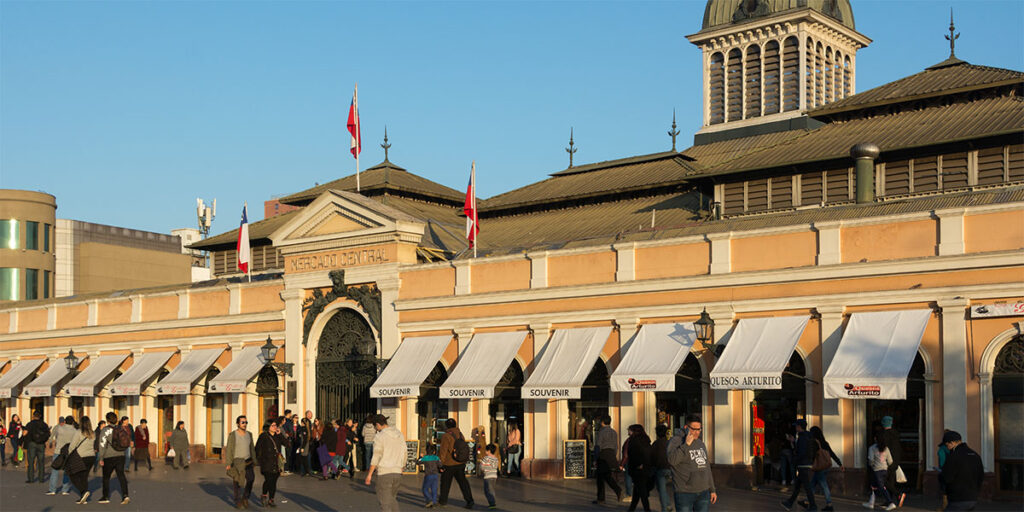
[(345, 368)]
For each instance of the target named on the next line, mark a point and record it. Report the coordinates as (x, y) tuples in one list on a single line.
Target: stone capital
[(291, 294)]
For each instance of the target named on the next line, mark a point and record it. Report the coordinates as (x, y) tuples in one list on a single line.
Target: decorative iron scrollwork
[(368, 298), (1011, 357), (266, 382)]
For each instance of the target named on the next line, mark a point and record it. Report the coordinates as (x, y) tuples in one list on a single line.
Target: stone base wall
[(542, 469)]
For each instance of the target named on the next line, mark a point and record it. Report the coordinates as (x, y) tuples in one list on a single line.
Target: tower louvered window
[(990, 166), (717, 89), (838, 185), (819, 78), (757, 195), (897, 178), (734, 79), (811, 188), (782, 192), (791, 74), (954, 171), (772, 86), (1015, 162), (733, 198), (926, 174), (809, 69), (828, 73), (847, 78), (752, 82)]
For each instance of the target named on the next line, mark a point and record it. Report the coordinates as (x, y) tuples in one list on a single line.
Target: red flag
[(243, 242), (353, 124), (472, 222)]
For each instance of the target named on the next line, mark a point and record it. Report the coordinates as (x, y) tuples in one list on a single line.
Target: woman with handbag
[(513, 447), (81, 457), (14, 434), (179, 443), (822, 464), (268, 455)]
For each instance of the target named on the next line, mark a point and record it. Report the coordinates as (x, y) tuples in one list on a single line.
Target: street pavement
[(205, 487)]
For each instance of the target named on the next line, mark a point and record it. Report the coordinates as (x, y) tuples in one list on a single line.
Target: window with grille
[(734, 76), (838, 185), (791, 74), (757, 195), (1015, 162), (716, 102)]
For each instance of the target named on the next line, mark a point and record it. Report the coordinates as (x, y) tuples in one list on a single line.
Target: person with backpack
[(128, 451), (803, 459), (37, 432), (62, 435), (454, 454), (823, 458), (113, 441)]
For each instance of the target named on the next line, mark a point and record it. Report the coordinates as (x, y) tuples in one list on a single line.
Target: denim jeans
[(34, 455), (803, 482), (489, 484), (629, 483), (513, 462), (127, 458), (430, 484), (821, 478), (367, 456), (56, 476), (695, 501), (664, 480)]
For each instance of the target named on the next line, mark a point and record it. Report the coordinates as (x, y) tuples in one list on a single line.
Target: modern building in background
[(27, 245), (200, 259)]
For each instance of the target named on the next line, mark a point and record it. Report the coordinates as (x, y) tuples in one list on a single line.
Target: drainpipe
[(864, 154)]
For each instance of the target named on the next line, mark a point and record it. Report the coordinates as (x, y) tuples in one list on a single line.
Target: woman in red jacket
[(142, 445)]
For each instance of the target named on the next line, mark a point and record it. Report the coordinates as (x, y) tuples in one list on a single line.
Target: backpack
[(461, 450), (39, 434), (120, 439), (822, 460)]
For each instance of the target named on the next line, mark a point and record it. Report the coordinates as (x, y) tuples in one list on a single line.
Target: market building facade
[(859, 256)]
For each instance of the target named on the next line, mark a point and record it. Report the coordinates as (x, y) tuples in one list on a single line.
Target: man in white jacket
[(388, 461)]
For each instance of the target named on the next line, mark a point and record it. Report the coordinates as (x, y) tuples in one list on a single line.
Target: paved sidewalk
[(205, 487)]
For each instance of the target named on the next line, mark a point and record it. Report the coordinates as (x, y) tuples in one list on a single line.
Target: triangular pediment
[(344, 217)]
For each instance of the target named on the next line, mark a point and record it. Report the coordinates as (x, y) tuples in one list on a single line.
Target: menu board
[(412, 454), (574, 455)]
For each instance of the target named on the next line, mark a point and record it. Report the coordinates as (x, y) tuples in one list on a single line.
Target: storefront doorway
[(673, 406), (506, 407), (430, 408), (585, 413), (908, 420), (268, 392), (214, 417), (779, 408), (77, 407), (345, 368), (1008, 396), (37, 404), (165, 422)]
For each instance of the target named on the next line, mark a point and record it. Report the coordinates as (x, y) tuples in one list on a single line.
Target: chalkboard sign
[(412, 454), (574, 458)]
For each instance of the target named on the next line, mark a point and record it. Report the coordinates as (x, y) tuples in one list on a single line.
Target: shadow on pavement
[(218, 490)]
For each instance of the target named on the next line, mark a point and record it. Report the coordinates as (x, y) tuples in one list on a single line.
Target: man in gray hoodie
[(691, 469)]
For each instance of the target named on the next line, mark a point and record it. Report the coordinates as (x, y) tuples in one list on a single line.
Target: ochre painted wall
[(260, 328), (257, 299), (435, 282), (574, 269), (32, 320), (204, 304), (155, 309), (500, 276), (672, 261), (878, 242), (999, 231), (114, 312), (775, 251), (72, 315)]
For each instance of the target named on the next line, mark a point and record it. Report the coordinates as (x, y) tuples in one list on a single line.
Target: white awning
[(244, 365), (16, 376), (85, 383), (45, 382), (482, 364), (875, 355), (409, 367), (654, 357), (565, 363), (192, 366), (142, 368), (757, 353)]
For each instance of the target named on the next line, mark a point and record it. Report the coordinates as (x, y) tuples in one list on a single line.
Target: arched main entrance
[(779, 408), (1008, 396), (345, 368)]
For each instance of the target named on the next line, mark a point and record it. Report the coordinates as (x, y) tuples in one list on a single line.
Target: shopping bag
[(901, 478), (170, 453), (21, 454)]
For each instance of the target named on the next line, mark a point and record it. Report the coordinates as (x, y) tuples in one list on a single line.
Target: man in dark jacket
[(36, 434), (451, 467), (892, 441), (607, 447), (803, 459), (662, 469), (962, 473)]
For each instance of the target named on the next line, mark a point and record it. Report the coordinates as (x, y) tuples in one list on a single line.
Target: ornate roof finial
[(570, 149), (386, 146), (953, 35), (673, 132)]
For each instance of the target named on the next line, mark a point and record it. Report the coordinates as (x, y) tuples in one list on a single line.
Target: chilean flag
[(472, 222), (353, 124), (243, 242)]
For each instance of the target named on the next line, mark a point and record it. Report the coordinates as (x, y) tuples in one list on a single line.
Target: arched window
[(837, 68), (791, 74), (752, 82), (809, 70), (819, 75), (716, 89), (828, 73), (734, 79), (772, 85), (847, 77)]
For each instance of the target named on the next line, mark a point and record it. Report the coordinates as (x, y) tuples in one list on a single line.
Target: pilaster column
[(628, 412), (136, 309), (831, 413), (12, 323), (625, 261), (464, 335), (721, 259), (93, 313), (51, 317), (829, 247), (234, 299), (182, 304), (723, 407), (537, 432), (988, 458), (954, 364), (538, 269), (951, 231), (463, 277), (390, 337), (293, 348)]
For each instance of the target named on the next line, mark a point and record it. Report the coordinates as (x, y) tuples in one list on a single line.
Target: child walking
[(431, 478), (879, 459), (489, 465)]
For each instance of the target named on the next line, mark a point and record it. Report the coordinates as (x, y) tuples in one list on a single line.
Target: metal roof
[(258, 230), (384, 176)]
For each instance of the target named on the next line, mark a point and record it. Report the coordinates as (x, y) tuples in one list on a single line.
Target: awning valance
[(565, 363), (244, 365), (409, 367), (85, 383), (757, 353), (192, 366), (46, 381), (20, 372), (141, 370), (875, 355), (482, 364), (654, 357)]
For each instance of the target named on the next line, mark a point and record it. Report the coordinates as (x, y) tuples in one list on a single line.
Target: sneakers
[(428, 505), (903, 496), (84, 499), (492, 507), (868, 505), (65, 493), (126, 500), (828, 508), (103, 501), (891, 506), (786, 505), (51, 493)]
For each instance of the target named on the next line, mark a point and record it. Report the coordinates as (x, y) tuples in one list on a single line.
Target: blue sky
[(128, 111)]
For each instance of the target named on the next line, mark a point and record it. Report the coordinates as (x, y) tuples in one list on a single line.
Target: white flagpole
[(248, 267), (476, 216), (358, 135)]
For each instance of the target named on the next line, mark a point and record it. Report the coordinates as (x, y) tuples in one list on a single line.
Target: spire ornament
[(571, 150), (386, 146), (673, 132), (953, 35)]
